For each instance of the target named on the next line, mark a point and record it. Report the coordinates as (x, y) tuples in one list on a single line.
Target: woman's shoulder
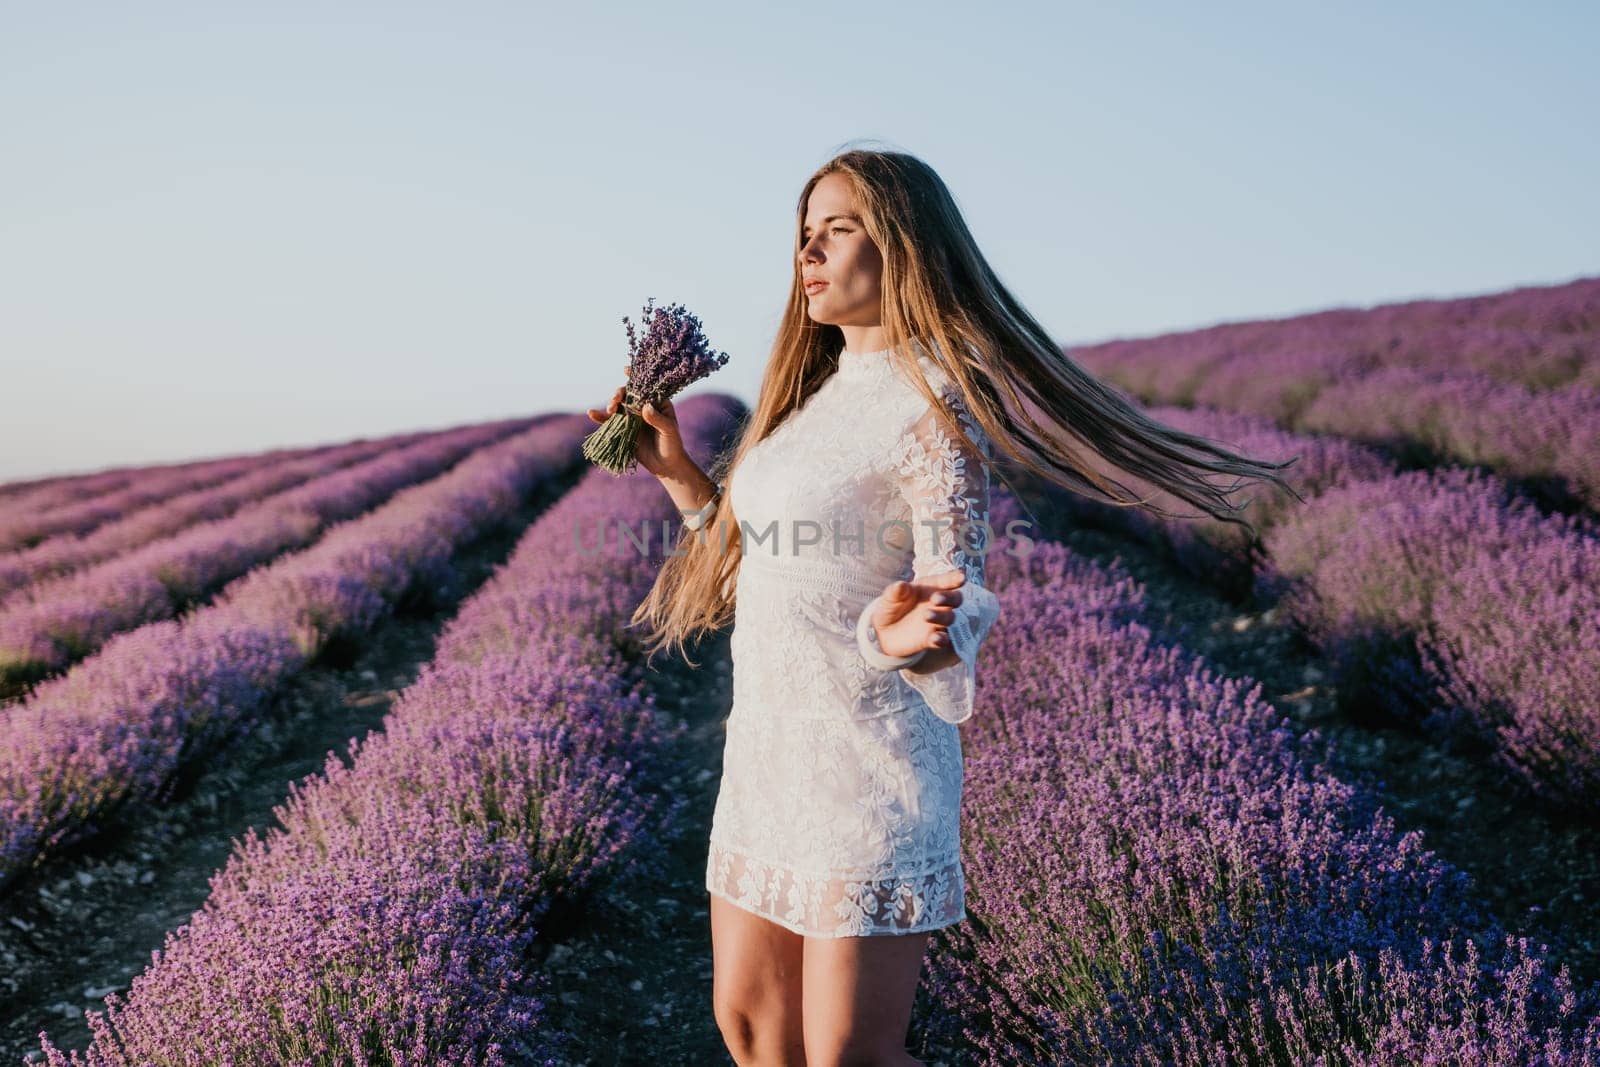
[(900, 376), (908, 396), (915, 414)]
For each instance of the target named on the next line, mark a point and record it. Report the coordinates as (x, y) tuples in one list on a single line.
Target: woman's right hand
[(659, 448)]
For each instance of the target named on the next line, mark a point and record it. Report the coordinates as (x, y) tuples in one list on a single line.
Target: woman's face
[(836, 250)]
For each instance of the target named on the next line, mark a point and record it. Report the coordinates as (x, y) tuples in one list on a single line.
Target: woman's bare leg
[(858, 997), (755, 987)]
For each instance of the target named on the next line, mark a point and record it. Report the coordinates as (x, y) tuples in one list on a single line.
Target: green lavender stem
[(612, 445)]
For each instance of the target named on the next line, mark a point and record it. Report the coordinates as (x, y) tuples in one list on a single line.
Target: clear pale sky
[(226, 228)]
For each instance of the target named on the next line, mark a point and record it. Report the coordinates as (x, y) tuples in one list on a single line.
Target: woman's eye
[(839, 229)]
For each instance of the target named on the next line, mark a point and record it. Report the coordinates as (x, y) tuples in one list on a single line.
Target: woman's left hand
[(913, 616)]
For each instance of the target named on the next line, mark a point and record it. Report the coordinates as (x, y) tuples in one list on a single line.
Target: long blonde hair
[(939, 291)]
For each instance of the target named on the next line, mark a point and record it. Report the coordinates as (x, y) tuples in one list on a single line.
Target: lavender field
[(346, 755)]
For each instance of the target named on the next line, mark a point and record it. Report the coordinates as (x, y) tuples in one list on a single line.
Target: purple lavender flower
[(673, 354)]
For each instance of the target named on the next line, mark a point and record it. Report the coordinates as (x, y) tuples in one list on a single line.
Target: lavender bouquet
[(672, 354)]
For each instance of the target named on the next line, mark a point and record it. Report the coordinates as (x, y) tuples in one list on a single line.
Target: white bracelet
[(696, 519), (867, 641)]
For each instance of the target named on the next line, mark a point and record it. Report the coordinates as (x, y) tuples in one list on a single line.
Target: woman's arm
[(946, 486), (688, 486)]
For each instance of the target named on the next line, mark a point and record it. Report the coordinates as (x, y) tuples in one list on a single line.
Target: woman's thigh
[(757, 965), (859, 992)]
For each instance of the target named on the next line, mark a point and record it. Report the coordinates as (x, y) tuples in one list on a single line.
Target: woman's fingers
[(931, 602), (942, 594), (602, 414), (615, 403), (943, 590)]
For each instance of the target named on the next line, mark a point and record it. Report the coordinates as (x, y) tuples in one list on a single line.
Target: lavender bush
[(168, 487), (1513, 650), (22, 528), (394, 915), (1543, 439), (1542, 337), (1215, 551), (48, 626), (93, 531), (114, 732), (1510, 382), (1159, 872), (26, 502), (1438, 598), (1448, 601)]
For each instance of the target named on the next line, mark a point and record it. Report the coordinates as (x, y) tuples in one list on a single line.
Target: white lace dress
[(839, 807)]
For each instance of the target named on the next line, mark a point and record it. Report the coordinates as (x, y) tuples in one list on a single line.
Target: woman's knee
[(759, 1030)]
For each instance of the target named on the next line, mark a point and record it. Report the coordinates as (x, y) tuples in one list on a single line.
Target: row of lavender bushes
[(1440, 598), (1392, 377), (116, 731), (1159, 871), (1453, 602), (1220, 552), (1543, 337), (25, 527), (48, 626), (28, 508), (94, 531), (395, 914)]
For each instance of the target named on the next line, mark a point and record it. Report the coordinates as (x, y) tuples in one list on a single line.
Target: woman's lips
[(813, 288)]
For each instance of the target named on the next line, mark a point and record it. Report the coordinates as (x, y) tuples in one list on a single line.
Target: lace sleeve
[(946, 486)]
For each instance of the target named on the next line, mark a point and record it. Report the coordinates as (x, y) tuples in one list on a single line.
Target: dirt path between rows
[(631, 974), (85, 925)]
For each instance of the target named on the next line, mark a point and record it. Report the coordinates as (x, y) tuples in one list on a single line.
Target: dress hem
[(822, 935)]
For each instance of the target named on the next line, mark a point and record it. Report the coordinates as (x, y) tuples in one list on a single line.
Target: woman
[(859, 492)]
